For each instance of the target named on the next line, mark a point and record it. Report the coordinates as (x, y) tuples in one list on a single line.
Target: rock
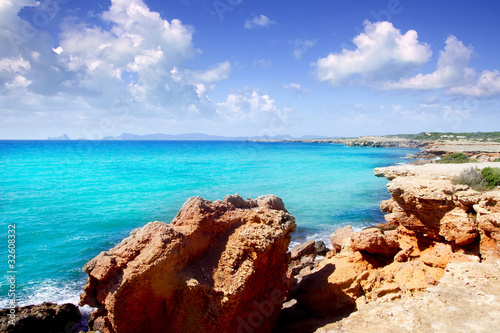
[(334, 287), (455, 226), (456, 304), (321, 248), (215, 267), (42, 318), (425, 201), (305, 249), (303, 256), (237, 201), (404, 255), (375, 243), (339, 237), (270, 202)]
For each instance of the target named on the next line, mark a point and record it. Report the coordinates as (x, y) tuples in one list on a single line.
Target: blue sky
[(243, 68)]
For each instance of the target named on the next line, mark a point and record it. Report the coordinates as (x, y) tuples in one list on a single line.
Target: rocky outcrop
[(41, 318), (372, 265), (430, 223), (464, 300), (424, 200), (217, 267)]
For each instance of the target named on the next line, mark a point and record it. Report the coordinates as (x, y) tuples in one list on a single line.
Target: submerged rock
[(217, 267)]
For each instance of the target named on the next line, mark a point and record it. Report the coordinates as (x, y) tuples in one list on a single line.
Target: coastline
[(431, 148), (434, 171)]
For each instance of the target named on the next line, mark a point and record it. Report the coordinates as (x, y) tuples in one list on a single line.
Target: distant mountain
[(195, 137), (59, 138), (202, 137)]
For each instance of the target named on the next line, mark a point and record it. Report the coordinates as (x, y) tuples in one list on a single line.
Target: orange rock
[(385, 245), (219, 266), (339, 237), (489, 245), (335, 286), (457, 227)]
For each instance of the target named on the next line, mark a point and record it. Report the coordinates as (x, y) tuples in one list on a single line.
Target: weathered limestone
[(219, 266), (431, 222)]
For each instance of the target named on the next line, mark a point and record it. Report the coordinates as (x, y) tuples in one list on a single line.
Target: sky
[(333, 68)]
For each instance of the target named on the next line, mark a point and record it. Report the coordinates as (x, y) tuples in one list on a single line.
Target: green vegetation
[(496, 160), (456, 158), (491, 176), (433, 136), (479, 180)]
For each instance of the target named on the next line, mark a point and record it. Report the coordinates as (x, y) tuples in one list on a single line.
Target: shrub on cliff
[(456, 158), (471, 177), (491, 176), (479, 180)]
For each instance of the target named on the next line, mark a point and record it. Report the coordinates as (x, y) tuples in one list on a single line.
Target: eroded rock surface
[(464, 300), (424, 200), (431, 223), (217, 267)]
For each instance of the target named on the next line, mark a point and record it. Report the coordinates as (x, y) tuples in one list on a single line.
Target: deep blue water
[(70, 200)]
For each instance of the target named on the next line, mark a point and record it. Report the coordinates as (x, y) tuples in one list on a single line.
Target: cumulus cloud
[(452, 69), (139, 44), (300, 46), (296, 88), (132, 65), (258, 21), (382, 52)]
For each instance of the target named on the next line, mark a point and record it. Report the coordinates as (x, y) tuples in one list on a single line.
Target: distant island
[(59, 138), (194, 137)]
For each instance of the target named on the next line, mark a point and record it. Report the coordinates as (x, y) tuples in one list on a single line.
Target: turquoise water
[(70, 200)]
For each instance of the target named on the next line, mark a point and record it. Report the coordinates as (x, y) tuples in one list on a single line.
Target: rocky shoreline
[(430, 149), (225, 266)]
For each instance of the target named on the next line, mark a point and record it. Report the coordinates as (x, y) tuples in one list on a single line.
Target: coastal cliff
[(441, 243), (435, 233), (425, 201)]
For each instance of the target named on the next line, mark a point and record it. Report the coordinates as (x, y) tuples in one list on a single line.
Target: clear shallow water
[(71, 200)]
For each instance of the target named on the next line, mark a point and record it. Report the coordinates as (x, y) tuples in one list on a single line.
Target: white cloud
[(18, 82), (139, 41), (381, 53), (300, 46), (452, 69), (216, 73), (258, 21), (296, 87), (488, 85), (14, 65), (131, 67), (248, 105)]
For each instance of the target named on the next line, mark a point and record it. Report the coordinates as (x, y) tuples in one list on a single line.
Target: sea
[(63, 202)]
